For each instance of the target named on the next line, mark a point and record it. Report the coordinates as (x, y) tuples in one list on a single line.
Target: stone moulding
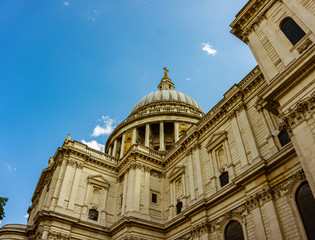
[(303, 110)]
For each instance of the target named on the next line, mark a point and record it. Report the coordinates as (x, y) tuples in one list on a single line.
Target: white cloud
[(26, 215), (188, 79), (67, 3), (208, 49), (106, 128), (94, 144), (10, 168), (0, 221)]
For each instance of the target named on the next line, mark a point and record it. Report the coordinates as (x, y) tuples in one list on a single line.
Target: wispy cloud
[(92, 15), (10, 168), (206, 47), (106, 128), (66, 3), (26, 215), (94, 144), (188, 79)]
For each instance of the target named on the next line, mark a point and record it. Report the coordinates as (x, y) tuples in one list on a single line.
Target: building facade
[(244, 170)]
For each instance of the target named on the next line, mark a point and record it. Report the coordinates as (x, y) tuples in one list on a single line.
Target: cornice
[(252, 13)]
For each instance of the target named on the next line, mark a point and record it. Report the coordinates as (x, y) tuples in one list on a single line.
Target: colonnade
[(113, 148)]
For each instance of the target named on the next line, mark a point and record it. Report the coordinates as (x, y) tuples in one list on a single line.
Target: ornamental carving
[(58, 236), (283, 188), (302, 111), (308, 42)]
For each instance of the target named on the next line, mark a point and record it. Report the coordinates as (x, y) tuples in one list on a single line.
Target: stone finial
[(68, 138), (50, 161), (166, 83)]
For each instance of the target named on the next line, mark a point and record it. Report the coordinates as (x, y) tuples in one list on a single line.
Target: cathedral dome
[(166, 94)]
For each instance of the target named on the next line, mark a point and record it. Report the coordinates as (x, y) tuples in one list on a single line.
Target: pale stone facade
[(170, 171)]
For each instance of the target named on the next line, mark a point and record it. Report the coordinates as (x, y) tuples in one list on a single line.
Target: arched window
[(306, 205), (233, 231), (93, 214), (292, 31)]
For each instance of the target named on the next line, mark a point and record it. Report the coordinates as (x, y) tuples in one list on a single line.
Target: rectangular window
[(154, 198)]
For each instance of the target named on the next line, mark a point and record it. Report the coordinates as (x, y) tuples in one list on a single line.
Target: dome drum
[(157, 121)]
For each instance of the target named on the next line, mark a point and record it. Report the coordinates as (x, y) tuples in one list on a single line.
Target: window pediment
[(98, 180), (216, 139), (176, 172)]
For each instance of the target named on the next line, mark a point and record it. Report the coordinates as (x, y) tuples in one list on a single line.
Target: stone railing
[(249, 76), (101, 155)]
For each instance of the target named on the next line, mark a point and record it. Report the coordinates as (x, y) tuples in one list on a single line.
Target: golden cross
[(166, 71)]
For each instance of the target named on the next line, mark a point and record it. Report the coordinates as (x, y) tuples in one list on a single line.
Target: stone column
[(65, 183), (269, 137), (137, 191), (249, 134), (272, 218), (130, 191), (303, 140), (191, 175), (103, 206), (125, 194), (264, 61), (122, 146), (109, 150), (147, 135), (75, 186), (146, 203), (134, 136), (198, 170), (162, 148), (213, 185), (258, 224), (176, 134), (239, 142), (114, 148)]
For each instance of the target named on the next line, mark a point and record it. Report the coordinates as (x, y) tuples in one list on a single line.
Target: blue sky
[(80, 66)]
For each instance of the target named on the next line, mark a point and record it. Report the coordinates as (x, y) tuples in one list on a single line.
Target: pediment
[(216, 139), (98, 180), (177, 171)]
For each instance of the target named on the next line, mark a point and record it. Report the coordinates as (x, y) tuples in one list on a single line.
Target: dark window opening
[(306, 205), (284, 138), (291, 30), (154, 198), (179, 206), (168, 147), (93, 214), (156, 148), (224, 179), (234, 231)]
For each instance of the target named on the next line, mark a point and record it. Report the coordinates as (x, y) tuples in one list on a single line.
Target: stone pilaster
[(162, 142), (147, 135), (122, 146)]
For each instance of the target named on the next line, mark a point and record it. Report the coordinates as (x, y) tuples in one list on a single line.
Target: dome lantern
[(166, 83)]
